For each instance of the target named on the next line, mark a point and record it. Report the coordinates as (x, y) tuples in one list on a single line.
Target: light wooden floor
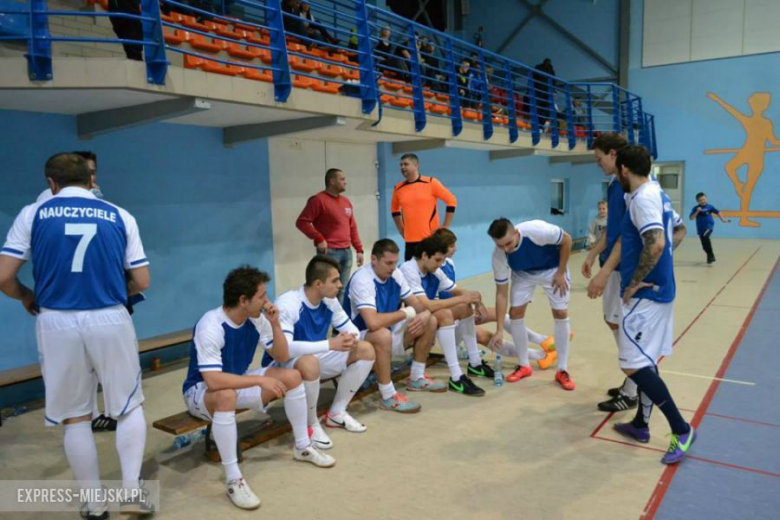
[(523, 451)]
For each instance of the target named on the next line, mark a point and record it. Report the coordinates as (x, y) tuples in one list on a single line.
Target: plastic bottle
[(463, 354), (182, 441), (498, 378)]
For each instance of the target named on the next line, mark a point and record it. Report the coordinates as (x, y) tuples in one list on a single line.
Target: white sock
[(81, 452), (349, 383), (562, 328), (469, 329), (535, 337), (446, 336), (418, 371), (295, 408), (225, 432), (387, 391), (312, 396), (130, 443), (520, 339), (629, 388), (536, 354)]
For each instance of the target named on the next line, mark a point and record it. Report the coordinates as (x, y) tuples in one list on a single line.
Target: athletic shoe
[(241, 496), (139, 504), (399, 403), (613, 392), (313, 455), (345, 421), (102, 423), (100, 514), (482, 370), (546, 361), (425, 384), (564, 380), (679, 447), (619, 403), (319, 438), (629, 430), (521, 372), (549, 344), (466, 386)]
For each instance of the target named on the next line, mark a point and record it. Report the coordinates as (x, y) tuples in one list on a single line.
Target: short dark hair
[(430, 246), (602, 202), (636, 158), (446, 235), (610, 141), (242, 281), (319, 268), (700, 195), (499, 228), (330, 175), (90, 156), (385, 245), (68, 169), (412, 157)]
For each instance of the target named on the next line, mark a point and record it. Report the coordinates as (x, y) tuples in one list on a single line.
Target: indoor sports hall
[(218, 126)]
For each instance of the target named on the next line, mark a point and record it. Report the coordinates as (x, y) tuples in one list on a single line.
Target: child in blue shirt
[(703, 212)]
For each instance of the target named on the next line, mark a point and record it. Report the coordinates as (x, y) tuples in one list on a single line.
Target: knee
[(560, 314), (382, 341), (292, 378), (444, 317), (517, 313), (308, 367), (225, 399), (365, 352)]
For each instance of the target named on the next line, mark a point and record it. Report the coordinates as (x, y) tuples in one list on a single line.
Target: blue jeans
[(344, 258)]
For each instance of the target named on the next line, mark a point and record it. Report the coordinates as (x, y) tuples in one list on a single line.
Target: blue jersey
[(616, 204), (704, 220), (428, 284), (449, 270), (539, 250), (219, 345), (649, 208), (80, 247), (366, 291)]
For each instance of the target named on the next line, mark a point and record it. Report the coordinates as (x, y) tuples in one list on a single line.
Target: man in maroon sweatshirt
[(329, 220)]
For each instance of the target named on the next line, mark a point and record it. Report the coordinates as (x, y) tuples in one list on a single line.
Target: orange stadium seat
[(199, 42), (195, 62), (175, 36), (304, 64), (258, 74), (302, 81), (192, 23), (242, 51), (331, 71), (326, 86)]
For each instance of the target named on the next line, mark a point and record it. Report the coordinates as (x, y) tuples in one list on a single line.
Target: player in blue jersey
[(483, 314), (533, 254), (307, 315), (648, 292), (607, 249), (220, 381), (81, 248), (705, 224), (373, 301), (426, 279)]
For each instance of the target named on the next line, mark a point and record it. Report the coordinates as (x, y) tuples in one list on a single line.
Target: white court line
[(710, 378)]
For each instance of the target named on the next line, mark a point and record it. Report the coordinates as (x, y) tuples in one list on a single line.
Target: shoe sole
[(517, 380), (567, 389), (396, 410), (245, 508), (438, 391), (468, 395), (340, 427), (472, 374), (610, 409), (313, 464)]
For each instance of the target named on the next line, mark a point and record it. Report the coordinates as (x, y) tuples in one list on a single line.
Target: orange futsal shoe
[(549, 359), (519, 373), (548, 345), (564, 380)]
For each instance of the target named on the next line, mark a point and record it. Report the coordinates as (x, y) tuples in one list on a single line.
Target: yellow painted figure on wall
[(758, 130)]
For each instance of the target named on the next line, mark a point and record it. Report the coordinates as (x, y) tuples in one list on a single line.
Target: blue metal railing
[(382, 58)]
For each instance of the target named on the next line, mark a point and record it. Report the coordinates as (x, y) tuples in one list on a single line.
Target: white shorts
[(611, 302), (246, 397), (332, 363), (397, 330), (645, 333), (76, 348), (524, 284)]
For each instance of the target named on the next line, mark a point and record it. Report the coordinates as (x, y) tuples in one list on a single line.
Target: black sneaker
[(138, 505), (482, 370), (103, 424), (466, 386), (618, 403), (614, 392)]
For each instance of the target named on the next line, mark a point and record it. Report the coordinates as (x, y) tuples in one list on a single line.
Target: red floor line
[(668, 475), (610, 414), (693, 457), (731, 417)]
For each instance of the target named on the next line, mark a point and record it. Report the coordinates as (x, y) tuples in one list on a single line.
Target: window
[(558, 196)]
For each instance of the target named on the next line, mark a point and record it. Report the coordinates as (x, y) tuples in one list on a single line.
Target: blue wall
[(595, 23), (518, 189), (688, 123), (201, 209)]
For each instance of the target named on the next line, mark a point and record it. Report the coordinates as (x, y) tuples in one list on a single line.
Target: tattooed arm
[(679, 233), (652, 249)]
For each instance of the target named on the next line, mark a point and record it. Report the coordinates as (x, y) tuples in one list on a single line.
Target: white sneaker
[(239, 492), (345, 421), (313, 455), (319, 438)]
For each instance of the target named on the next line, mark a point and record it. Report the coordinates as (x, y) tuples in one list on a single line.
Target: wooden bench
[(30, 372), (183, 422)]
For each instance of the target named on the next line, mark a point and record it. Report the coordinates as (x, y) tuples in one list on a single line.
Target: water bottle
[(182, 441), (498, 378), (463, 353)]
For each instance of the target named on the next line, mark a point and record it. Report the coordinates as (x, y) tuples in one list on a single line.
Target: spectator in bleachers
[(293, 23), (353, 40), (314, 29), (434, 79), (403, 53), (464, 79), (543, 90), (384, 52), (128, 29), (578, 112), (478, 37)]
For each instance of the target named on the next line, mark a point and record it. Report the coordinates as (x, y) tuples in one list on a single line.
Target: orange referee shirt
[(416, 203)]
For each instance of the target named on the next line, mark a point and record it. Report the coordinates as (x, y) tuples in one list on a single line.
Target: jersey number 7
[(87, 232)]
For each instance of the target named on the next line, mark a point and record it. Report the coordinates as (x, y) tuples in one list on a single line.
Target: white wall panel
[(762, 26), (716, 30)]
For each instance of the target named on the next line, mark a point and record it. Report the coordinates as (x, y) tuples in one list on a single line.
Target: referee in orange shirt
[(414, 204)]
